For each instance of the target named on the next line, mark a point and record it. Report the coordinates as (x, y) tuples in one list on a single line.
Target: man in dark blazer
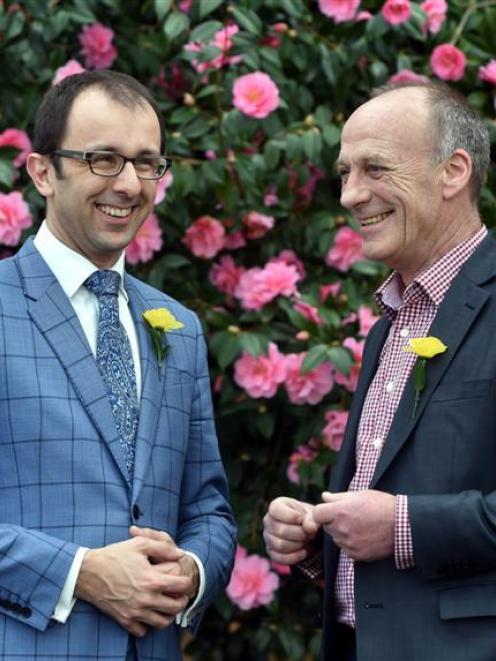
[(115, 529), (406, 535)]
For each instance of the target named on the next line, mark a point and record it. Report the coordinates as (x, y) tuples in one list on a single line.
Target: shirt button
[(377, 443), (390, 386), (404, 332)]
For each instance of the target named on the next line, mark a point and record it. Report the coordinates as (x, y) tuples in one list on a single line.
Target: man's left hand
[(185, 566), (361, 523)]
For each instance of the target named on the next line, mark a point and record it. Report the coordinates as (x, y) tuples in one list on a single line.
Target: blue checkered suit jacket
[(63, 479)]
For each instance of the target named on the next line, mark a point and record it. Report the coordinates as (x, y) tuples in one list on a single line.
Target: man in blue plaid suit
[(104, 553)]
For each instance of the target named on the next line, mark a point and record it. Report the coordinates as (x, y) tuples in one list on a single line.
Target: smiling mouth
[(114, 212), (374, 220)]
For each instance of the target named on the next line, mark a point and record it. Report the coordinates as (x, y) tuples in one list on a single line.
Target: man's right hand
[(289, 529), (120, 580)]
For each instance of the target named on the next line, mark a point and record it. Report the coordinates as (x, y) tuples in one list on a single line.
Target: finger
[(159, 550), (310, 526), (324, 513), (151, 533), (283, 545), (137, 629), (288, 558), (294, 533), (286, 510)]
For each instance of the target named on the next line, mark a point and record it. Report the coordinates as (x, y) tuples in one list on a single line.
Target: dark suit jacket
[(444, 609)]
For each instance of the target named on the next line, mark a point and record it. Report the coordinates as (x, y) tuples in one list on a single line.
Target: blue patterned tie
[(115, 360)]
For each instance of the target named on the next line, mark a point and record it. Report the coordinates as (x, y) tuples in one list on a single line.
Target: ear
[(457, 171), (41, 171)]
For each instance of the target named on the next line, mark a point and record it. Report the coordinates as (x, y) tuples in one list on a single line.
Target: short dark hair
[(52, 115), (455, 125)]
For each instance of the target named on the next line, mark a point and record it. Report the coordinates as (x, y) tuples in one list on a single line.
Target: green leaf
[(6, 173), (293, 146), (271, 154), (331, 135), (315, 357), (264, 422), (205, 31), (247, 19), (312, 143), (341, 358), (176, 24), (173, 261), (226, 347), (208, 6), (253, 343), (162, 8)]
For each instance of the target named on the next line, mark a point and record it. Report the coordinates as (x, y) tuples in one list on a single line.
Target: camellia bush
[(247, 228)]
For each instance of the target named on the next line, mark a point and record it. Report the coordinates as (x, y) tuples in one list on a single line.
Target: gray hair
[(455, 125)]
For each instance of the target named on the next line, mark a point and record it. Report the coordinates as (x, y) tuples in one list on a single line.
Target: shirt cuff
[(184, 618), (65, 604), (403, 543), (312, 567)]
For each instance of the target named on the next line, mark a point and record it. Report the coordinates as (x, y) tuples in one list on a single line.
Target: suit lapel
[(152, 385), (458, 311), (345, 466), (54, 316)]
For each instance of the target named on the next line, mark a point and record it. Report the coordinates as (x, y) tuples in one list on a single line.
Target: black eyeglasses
[(110, 163)]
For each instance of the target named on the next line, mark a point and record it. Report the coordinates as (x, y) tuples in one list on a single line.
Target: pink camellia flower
[(325, 291), (14, 217), (308, 388), (350, 381), (257, 224), (405, 76), (70, 68), (97, 48), (234, 240), (222, 40), (333, 432), (257, 286), (255, 95), (163, 184), (184, 5), (363, 16), (339, 10), (147, 241), (366, 319), (435, 11), (448, 62), (291, 258), (205, 237), (271, 198), (310, 312), (225, 275), (261, 375), (303, 453), (19, 140), (347, 249), (396, 12), (488, 72), (252, 583)]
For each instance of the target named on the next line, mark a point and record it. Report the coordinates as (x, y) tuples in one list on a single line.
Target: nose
[(127, 182), (354, 192)]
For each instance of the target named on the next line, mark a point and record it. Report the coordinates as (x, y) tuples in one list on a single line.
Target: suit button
[(136, 512), (26, 611)]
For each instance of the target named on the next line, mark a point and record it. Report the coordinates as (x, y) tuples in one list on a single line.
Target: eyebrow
[(106, 147)]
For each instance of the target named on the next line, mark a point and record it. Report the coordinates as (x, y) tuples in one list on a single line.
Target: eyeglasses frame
[(86, 156)]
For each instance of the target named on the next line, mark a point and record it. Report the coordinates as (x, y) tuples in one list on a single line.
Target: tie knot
[(103, 282)]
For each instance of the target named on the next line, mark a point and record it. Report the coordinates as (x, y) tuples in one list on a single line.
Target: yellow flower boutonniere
[(424, 348), (159, 322)]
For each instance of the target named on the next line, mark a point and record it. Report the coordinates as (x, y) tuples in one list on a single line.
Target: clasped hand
[(361, 523), (142, 582)]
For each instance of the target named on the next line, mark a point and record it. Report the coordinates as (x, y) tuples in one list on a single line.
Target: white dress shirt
[(71, 270)]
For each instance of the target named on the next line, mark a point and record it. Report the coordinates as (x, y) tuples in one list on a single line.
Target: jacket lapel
[(54, 316), (458, 311), (152, 384), (345, 466)]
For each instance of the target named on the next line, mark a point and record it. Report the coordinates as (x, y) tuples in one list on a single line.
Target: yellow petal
[(426, 347), (162, 319)]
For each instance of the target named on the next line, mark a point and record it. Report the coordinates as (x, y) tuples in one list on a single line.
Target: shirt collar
[(432, 283), (69, 267)]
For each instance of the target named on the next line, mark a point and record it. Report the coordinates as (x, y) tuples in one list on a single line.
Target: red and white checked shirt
[(411, 311)]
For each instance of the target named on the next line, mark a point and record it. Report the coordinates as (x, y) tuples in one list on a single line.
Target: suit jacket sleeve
[(33, 569), (206, 524)]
